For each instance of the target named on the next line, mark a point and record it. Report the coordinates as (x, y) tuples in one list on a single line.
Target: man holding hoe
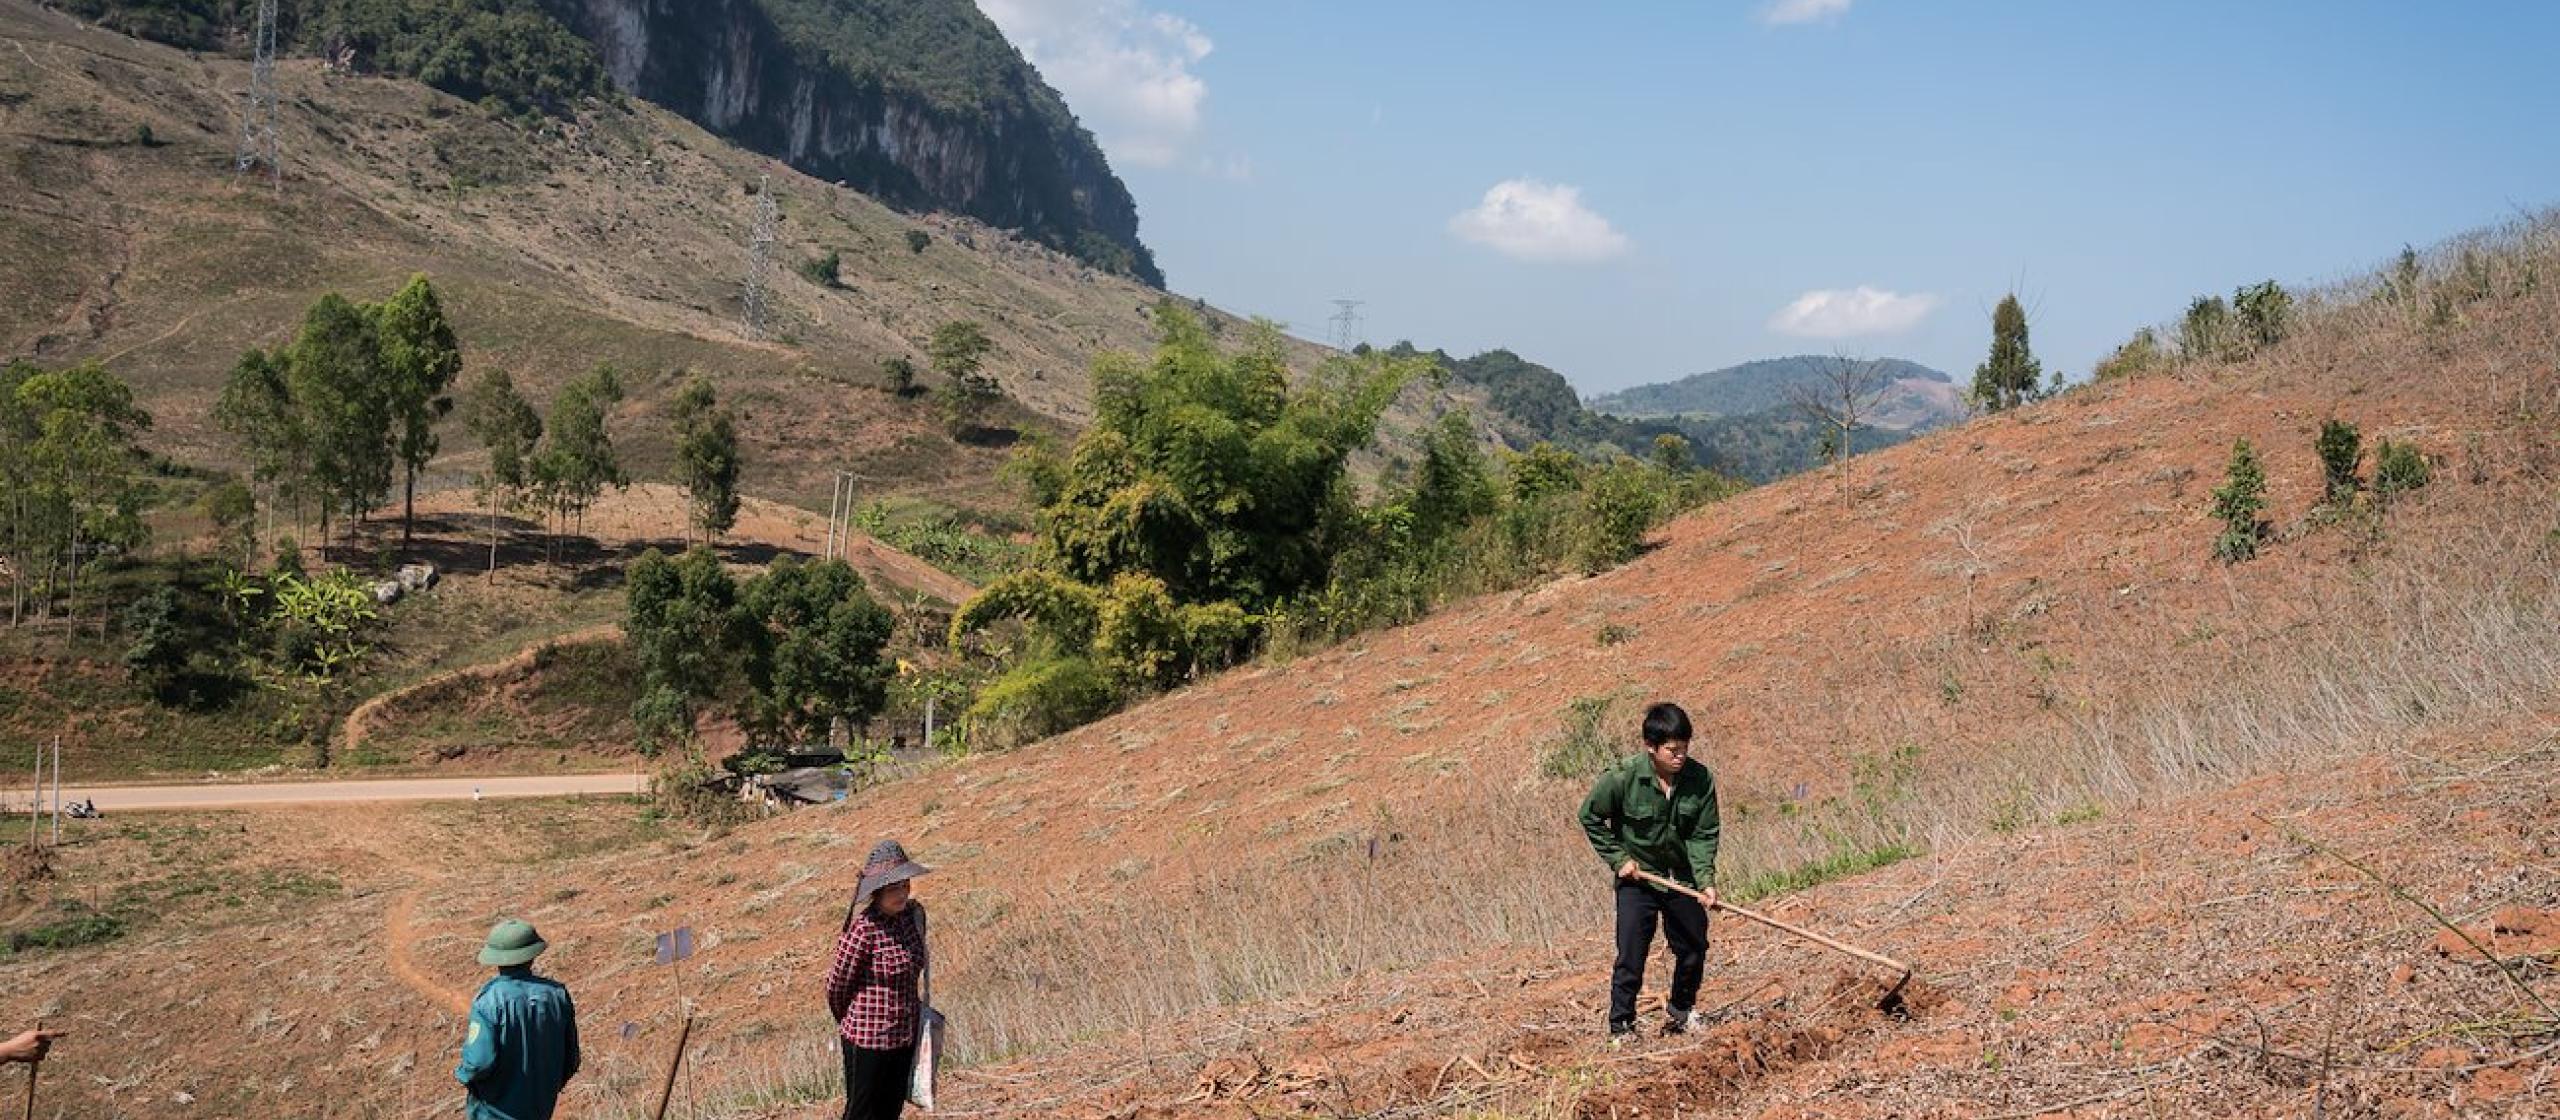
[(1656, 813)]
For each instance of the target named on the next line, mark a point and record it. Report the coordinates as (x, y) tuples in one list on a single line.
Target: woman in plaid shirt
[(872, 989)]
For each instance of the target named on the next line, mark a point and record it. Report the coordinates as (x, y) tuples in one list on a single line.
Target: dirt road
[(126, 799)]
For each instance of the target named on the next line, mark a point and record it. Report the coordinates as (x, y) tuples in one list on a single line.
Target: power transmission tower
[(1346, 324), (760, 259), (258, 145)]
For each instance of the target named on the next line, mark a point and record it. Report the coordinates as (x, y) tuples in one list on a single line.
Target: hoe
[(1891, 1004)]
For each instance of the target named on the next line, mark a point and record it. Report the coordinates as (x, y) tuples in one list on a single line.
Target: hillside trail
[(403, 964), (359, 723)]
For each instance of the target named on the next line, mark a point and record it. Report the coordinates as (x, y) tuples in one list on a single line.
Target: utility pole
[(840, 517), (258, 144), (57, 789), (760, 260), (1346, 324)]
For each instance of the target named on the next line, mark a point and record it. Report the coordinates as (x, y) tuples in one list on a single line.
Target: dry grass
[(2424, 632)]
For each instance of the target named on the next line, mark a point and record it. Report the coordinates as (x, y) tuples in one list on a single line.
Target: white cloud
[(1537, 221), (1845, 313), (1126, 71), (1804, 11)]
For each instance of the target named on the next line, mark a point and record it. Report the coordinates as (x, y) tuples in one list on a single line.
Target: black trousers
[(875, 1082), (1684, 925)]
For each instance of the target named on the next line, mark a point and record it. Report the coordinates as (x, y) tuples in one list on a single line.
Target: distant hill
[(1921, 397), (1742, 421), (1528, 403)]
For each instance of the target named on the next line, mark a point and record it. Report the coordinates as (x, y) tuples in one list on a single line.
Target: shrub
[(1615, 515), (2397, 469), (1037, 699), (1584, 748), (900, 373), (825, 271), (2264, 312), (2139, 355), (2205, 333), (2341, 451), (2237, 502), (917, 239)]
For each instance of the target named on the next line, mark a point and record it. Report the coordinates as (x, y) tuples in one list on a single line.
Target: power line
[(1346, 324), (760, 259), (258, 144)]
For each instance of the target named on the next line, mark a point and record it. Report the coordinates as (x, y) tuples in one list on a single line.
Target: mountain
[(1743, 421), (1920, 398), (921, 104), (1527, 403)]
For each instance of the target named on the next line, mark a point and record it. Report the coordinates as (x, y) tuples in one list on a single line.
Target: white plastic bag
[(928, 1072), (927, 1075)]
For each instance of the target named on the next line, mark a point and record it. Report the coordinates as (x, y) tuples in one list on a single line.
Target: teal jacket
[(522, 1046), (1627, 817)]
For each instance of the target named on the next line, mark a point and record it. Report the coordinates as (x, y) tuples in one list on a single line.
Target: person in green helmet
[(522, 1044)]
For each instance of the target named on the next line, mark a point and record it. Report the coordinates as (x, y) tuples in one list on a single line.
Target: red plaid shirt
[(872, 988)]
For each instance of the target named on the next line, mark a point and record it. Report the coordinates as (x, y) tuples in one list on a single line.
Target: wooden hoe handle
[(1782, 927)]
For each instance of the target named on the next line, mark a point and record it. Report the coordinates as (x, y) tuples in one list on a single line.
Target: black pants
[(1684, 925), (875, 1082)]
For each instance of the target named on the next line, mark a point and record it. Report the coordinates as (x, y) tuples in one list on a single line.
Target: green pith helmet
[(512, 942)]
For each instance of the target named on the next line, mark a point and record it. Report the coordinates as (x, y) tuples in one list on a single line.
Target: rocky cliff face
[(1010, 156)]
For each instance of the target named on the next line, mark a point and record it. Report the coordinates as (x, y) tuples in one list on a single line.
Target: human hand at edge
[(28, 1046)]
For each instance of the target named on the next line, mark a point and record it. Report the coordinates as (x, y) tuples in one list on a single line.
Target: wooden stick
[(1780, 926), (667, 1091), (31, 1079)]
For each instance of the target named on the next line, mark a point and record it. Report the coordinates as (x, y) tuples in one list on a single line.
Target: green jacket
[(1627, 817), (521, 1047)]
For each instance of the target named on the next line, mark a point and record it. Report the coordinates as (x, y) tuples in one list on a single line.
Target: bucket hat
[(888, 864), (512, 942)]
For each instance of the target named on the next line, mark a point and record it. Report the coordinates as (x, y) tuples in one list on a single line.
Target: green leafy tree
[(707, 458), (1452, 486), (685, 631), (1207, 490), (813, 652), (421, 359), (1542, 470), (508, 427), (2341, 451), (1671, 454), (257, 408), (233, 511), (959, 351), (2237, 503), (335, 375), (78, 487), (917, 239), (577, 460), (2010, 375)]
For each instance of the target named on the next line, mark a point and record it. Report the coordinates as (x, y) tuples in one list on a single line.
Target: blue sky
[(1634, 192)]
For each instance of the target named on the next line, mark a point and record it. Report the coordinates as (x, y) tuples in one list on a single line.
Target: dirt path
[(129, 799), (395, 942)]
